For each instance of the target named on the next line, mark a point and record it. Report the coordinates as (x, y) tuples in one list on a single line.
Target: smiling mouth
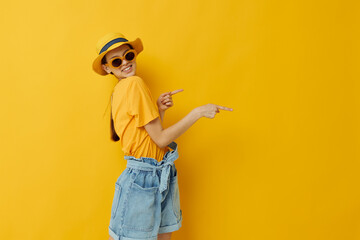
[(127, 68)]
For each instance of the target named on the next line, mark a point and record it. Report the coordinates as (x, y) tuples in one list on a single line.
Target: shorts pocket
[(141, 202), (176, 198), (116, 199), (173, 176)]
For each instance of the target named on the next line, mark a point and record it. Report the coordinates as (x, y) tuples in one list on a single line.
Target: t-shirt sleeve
[(140, 102)]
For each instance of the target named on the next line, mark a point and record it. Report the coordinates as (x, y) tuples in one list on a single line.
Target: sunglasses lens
[(129, 56), (116, 62)]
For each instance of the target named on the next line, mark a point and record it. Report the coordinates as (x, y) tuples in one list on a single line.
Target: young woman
[(146, 203)]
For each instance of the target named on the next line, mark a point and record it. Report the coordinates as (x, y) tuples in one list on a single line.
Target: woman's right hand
[(209, 110)]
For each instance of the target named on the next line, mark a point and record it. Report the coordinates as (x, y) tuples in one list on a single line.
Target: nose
[(124, 62)]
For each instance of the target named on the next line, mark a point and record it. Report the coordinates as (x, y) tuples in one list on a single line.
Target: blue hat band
[(116, 40)]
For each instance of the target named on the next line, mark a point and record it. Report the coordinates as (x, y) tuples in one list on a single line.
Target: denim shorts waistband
[(169, 156), (151, 164)]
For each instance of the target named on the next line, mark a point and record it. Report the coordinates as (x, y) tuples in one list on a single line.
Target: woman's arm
[(162, 137), (161, 113)]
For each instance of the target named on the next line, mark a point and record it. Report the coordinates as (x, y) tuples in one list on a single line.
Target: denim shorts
[(147, 199)]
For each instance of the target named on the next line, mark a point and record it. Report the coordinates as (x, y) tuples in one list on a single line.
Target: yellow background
[(283, 165)]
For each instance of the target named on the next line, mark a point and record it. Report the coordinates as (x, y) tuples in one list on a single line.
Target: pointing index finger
[(224, 108), (176, 91)]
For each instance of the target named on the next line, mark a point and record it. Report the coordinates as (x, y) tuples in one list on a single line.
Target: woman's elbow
[(160, 143), (156, 138)]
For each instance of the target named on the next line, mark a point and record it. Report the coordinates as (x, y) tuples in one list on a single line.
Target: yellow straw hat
[(109, 42)]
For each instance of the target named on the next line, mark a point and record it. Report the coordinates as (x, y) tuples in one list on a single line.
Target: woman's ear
[(106, 68)]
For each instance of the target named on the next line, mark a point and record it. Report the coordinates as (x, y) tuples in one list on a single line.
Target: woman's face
[(120, 72)]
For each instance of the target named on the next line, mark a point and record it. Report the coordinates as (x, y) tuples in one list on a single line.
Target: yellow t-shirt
[(132, 108)]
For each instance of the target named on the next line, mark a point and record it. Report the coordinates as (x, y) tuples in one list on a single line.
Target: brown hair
[(113, 134)]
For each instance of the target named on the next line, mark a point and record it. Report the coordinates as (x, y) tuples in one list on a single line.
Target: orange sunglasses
[(117, 61)]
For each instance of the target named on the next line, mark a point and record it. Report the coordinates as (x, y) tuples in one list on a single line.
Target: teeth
[(127, 68)]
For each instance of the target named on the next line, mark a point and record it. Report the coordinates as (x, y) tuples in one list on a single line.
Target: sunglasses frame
[(122, 59)]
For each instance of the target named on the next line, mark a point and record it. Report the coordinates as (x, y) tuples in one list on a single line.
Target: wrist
[(197, 113)]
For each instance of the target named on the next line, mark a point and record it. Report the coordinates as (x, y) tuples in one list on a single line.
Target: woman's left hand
[(165, 100)]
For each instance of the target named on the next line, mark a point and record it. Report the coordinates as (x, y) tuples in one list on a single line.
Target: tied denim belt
[(164, 165)]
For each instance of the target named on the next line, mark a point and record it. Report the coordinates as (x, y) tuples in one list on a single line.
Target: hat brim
[(136, 44)]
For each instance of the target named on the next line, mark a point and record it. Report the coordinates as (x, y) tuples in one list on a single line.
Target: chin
[(130, 74)]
